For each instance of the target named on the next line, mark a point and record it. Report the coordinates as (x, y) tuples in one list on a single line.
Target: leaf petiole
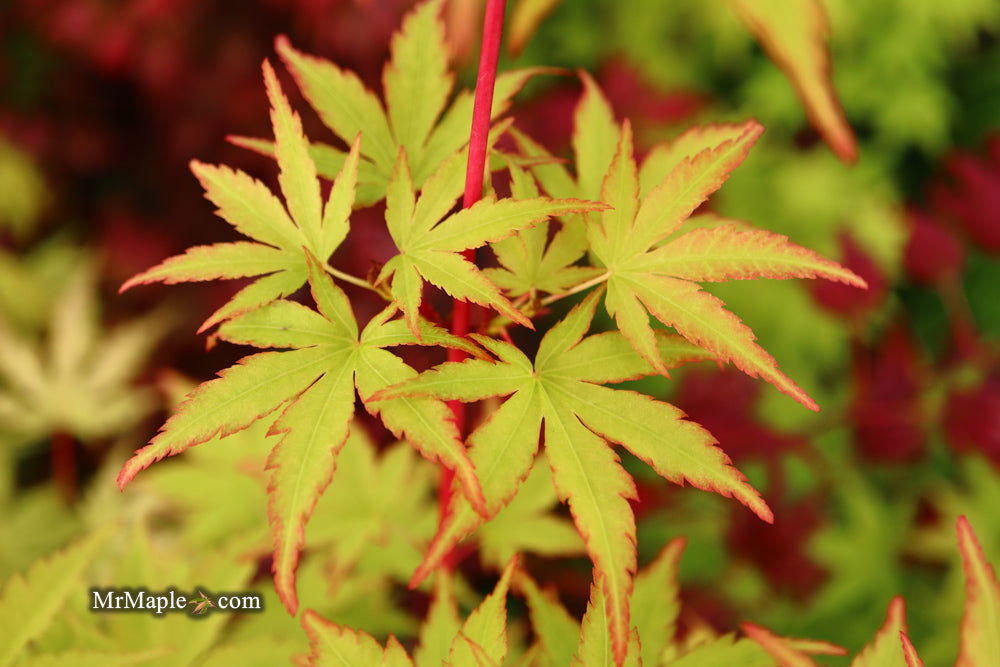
[(354, 280), (587, 284)]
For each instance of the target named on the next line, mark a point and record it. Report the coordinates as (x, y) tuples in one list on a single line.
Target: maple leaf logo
[(202, 603)]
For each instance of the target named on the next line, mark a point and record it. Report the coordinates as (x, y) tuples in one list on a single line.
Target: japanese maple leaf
[(652, 268), (79, 379), (980, 642), (531, 261), (527, 525), (430, 248), (279, 236), (891, 645), (416, 115), (480, 640), (655, 606), (323, 360), (562, 389), (790, 651), (792, 32)]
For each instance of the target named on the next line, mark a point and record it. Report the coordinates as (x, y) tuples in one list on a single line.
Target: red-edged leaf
[(232, 402), (588, 476), (297, 175), (886, 650), (703, 319), (789, 652), (248, 205), (656, 432), (331, 644), (729, 252), (315, 427), (686, 187), (213, 262), (910, 652), (794, 33), (980, 643)]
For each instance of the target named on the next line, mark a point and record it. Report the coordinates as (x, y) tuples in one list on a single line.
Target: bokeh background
[(102, 105)]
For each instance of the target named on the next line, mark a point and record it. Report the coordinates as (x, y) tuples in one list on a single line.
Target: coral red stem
[(489, 54)]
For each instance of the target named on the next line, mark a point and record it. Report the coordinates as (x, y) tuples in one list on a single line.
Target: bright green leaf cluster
[(621, 231)]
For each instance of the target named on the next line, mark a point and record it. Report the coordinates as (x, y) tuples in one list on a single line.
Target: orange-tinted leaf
[(887, 649), (524, 20), (702, 319), (910, 652), (980, 643), (794, 34), (729, 252), (331, 644), (212, 262), (695, 177), (789, 652), (232, 402), (315, 427)]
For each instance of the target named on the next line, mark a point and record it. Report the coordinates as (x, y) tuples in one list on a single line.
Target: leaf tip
[(283, 45), (128, 472)]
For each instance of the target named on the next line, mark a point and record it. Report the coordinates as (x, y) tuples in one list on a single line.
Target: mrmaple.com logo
[(141, 600)]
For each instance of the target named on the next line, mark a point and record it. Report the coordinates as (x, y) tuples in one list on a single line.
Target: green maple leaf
[(654, 268), (556, 631), (526, 524), (139, 559), (378, 511), (655, 606), (31, 281), (441, 625), (430, 248), (30, 602), (530, 261), (595, 646), (480, 640), (233, 468), (724, 651), (25, 192), (325, 358), (416, 115), (79, 380), (889, 646), (582, 419), (280, 238), (980, 644), (792, 32), (790, 651), (861, 550)]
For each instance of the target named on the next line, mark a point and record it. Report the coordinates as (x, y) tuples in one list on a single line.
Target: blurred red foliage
[(848, 301), (886, 410), (970, 194), (972, 418), (933, 252)]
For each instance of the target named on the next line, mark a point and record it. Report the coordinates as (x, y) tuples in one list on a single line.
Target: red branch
[(489, 53)]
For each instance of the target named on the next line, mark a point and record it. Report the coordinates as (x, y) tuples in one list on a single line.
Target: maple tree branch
[(552, 298), (482, 109)]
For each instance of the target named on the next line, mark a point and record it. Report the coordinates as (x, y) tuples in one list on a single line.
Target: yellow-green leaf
[(30, 602), (980, 640), (794, 34)]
